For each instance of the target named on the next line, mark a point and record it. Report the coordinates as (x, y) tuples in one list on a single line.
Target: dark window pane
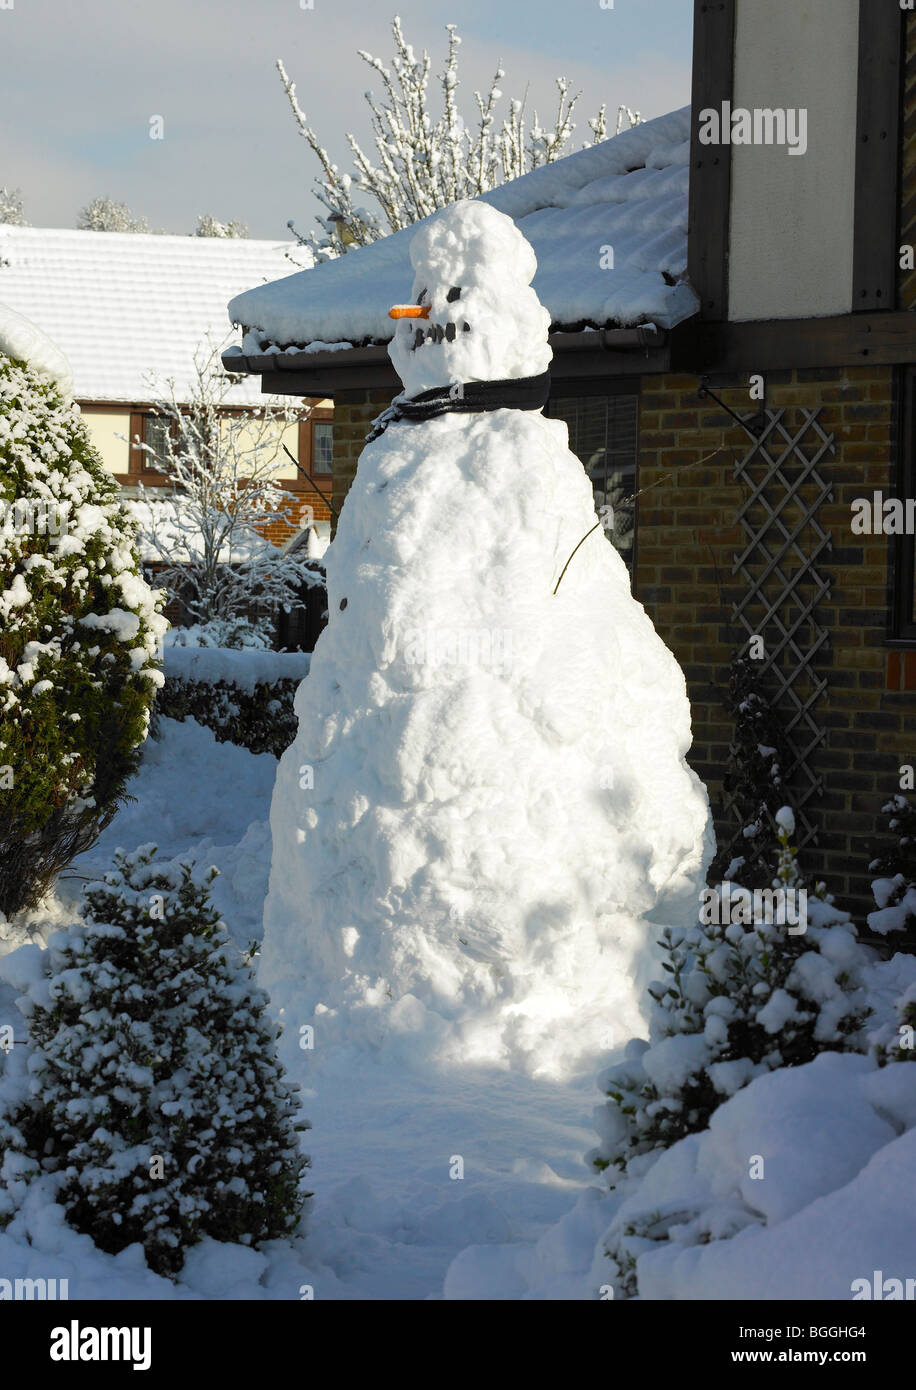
[(603, 434), (155, 434), (323, 448)]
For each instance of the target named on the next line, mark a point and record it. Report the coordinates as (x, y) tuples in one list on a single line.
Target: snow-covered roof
[(122, 306), (628, 193)]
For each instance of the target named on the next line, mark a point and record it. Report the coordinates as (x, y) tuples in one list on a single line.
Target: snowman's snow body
[(500, 795)]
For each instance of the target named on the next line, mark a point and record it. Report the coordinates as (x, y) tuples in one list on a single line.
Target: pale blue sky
[(81, 79)]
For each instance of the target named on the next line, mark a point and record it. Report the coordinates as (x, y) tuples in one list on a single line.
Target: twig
[(627, 500), (326, 500)]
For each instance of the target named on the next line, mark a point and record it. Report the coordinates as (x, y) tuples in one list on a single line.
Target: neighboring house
[(674, 265), (130, 311)]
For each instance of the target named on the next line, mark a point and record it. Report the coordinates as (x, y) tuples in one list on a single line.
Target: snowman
[(487, 810)]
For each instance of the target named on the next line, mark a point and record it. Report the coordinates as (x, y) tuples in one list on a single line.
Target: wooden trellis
[(782, 586)]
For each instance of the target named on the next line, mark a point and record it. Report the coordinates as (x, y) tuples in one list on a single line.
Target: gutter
[(590, 352)]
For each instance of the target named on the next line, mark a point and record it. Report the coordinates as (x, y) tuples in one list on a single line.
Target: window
[(322, 447), (603, 434), (156, 430), (903, 548)]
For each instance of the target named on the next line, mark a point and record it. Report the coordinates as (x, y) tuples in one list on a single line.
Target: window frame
[(314, 422)]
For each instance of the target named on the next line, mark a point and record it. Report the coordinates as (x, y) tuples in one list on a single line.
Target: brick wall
[(278, 530), (686, 542), (687, 539), (354, 411)]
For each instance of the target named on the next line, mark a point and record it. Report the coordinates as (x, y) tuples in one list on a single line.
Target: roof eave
[(577, 353)]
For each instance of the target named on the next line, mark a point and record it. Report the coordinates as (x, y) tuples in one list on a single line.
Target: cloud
[(82, 78)]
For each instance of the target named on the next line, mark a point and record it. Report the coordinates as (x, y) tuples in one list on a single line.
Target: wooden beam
[(576, 355), (877, 212), (710, 165), (902, 549), (326, 382), (848, 340)]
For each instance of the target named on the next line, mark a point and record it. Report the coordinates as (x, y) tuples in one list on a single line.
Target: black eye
[(453, 294)]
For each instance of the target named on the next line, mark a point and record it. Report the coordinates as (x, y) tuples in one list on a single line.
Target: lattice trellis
[(782, 587)]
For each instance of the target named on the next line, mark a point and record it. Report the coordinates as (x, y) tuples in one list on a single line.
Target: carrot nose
[(409, 311)]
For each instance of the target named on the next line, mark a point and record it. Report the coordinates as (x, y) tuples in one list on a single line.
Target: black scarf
[(515, 393)]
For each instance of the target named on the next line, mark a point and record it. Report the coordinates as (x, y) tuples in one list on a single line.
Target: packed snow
[(608, 225), (472, 275), (456, 859)]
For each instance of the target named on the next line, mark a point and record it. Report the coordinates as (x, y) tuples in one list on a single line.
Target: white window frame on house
[(317, 461)]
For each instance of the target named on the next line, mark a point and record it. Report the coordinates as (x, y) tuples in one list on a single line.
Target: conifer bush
[(898, 1044), (742, 997), (156, 1099), (79, 631), (895, 887)]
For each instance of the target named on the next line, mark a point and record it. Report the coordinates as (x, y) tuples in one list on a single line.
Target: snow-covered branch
[(421, 163), (205, 526)]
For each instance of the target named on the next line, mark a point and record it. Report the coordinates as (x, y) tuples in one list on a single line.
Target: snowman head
[(475, 316)]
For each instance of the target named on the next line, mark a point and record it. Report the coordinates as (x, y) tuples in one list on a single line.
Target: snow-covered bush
[(105, 215), (156, 1099), (809, 1167), (898, 1043), (205, 527), (210, 226), (895, 887), (261, 719), (424, 162), (79, 632), (11, 211), (233, 633), (747, 993)]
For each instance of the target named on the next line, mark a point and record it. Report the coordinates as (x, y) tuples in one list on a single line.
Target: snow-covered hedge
[(152, 1105), (79, 632), (746, 994), (895, 888), (244, 695), (798, 1189)]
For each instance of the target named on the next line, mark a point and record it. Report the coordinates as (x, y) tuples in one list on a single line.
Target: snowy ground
[(387, 1218), (526, 1221)]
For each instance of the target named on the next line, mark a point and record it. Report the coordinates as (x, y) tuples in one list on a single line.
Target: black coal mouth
[(437, 333)]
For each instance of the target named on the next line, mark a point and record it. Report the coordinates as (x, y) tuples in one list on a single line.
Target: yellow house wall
[(104, 426)]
